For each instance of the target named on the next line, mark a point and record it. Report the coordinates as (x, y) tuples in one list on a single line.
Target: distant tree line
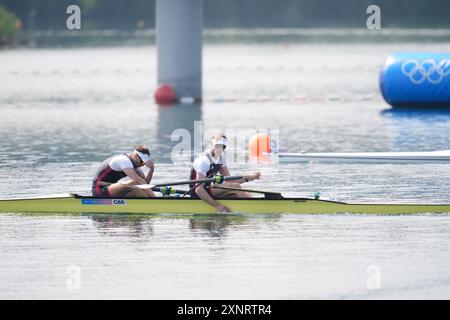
[(8, 27), (131, 14)]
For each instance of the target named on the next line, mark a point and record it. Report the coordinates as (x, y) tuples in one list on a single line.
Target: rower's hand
[(222, 208), (149, 164), (256, 175)]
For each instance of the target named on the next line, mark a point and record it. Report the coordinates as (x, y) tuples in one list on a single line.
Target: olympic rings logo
[(427, 69)]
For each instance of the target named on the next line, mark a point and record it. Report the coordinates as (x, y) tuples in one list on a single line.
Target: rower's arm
[(225, 172), (137, 179), (147, 178), (133, 175), (203, 194), (151, 168)]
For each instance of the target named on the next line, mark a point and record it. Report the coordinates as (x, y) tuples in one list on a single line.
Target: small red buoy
[(165, 94)]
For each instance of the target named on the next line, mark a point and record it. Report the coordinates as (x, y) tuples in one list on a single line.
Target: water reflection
[(418, 129), (216, 225), (211, 225), (114, 225), (428, 114)]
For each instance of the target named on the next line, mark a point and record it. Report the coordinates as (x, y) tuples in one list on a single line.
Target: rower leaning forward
[(106, 180), (210, 163)]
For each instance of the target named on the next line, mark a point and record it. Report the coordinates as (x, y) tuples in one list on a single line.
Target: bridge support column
[(179, 26)]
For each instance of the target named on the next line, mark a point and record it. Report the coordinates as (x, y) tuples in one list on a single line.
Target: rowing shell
[(380, 157), (72, 203)]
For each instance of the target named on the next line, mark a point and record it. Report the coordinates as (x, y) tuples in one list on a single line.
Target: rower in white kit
[(210, 163), (106, 180)]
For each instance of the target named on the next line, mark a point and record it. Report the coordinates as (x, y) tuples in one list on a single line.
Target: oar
[(267, 194), (216, 179)]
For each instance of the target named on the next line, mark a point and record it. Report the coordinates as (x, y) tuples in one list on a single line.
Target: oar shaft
[(177, 183)]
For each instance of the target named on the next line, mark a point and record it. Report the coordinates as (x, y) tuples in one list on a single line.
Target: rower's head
[(218, 144), (140, 155)]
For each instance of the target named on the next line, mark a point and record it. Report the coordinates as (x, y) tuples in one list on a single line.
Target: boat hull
[(79, 204)]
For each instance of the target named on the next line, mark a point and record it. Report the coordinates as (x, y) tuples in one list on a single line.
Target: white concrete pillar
[(179, 27)]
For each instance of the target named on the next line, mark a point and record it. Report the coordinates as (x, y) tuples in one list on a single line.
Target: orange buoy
[(259, 147), (165, 94)]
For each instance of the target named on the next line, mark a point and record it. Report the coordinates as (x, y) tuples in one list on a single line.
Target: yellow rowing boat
[(73, 203)]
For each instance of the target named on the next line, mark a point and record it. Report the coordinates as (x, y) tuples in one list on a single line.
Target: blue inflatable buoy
[(416, 80)]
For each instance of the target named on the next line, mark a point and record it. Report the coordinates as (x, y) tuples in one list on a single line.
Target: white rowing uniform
[(207, 166), (110, 171)]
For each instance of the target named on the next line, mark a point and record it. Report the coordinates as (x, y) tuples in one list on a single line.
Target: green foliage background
[(7, 23)]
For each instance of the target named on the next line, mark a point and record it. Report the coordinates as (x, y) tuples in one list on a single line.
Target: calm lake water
[(65, 110)]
